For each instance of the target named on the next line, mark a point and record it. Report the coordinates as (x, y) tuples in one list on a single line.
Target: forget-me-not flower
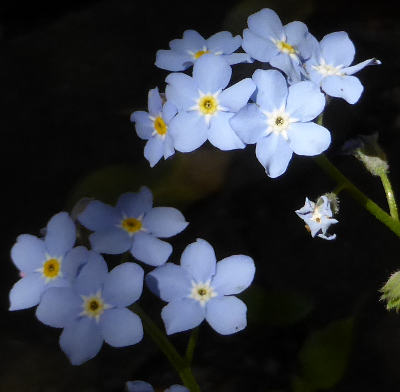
[(186, 51), (280, 121), (46, 262), (133, 225), (284, 47), (200, 288), (142, 386), (93, 309), (329, 67), (205, 106), (153, 126), (318, 217)]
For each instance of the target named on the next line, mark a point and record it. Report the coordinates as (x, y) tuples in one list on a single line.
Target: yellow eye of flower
[(200, 53), (93, 306), (160, 126), (51, 269), (208, 104), (131, 225), (279, 121), (285, 47)]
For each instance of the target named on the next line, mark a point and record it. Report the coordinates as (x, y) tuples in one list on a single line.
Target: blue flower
[(204, 106), (280, 121), (46, 262), (142, 386), (186, 51), (329, 67), (318, 217), (133, 225), (153, 126), (201, 289), (284, 47), (93, 309)]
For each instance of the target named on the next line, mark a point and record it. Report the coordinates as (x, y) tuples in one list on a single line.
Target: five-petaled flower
[(318, 217), (200, 288), (93, 309), (133, 225), (186, 51)]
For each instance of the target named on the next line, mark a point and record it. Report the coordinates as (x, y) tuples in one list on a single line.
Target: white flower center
[(279, 121), (327, 70), (93, 306), (202, 292)]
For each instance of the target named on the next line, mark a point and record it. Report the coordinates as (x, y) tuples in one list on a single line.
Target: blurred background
[(72, 72)]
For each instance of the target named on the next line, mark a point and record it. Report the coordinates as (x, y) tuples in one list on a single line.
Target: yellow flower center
[(51, 269), (131, 225), (160, 126), (285, 47), (93, 306), (200, 53), (279, 121), (208, 104)]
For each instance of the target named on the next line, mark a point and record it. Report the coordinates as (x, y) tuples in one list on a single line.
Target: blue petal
[(168, 146), (154, 102), (177, 388), (164, 221), (60, 234), (221, 134), (226, 315), (26, 292), (169, 282), (112, 241), (154, 150), (188, 130), (181, 90), (81, 340), (99, 216), (192, 41), (271, 89), (58, 306), (289, 66), (139, 386), (308, 138), (73, 261), (257, 47), (173, 61), (181, 315), (92, 275), (236, 58), (211, 82), (347, 87), (337, 49), (143, 125), (249, 124), (150, 250), (237, 96), (123, 285), (274, 154), (223, 43), (266, 23), (28, 253), (199, 260), (169, 111), (296, 32), (135, 204), (305, 101), (233, 274), (121, 327), (355, 68)]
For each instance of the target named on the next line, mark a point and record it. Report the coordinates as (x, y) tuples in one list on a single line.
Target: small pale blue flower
[(46, 262), (186, 51), (153, 126), (318, 217), (93, 309), (280, 121), (142, 386), (284, 47), (329, 67), (204, 106), (133, 225), (200, 288)]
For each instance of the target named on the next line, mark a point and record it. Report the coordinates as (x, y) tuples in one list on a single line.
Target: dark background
[(70, 75)]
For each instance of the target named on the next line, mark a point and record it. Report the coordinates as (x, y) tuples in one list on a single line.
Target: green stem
[(180, 364), (389, 195), (360, 197), (191, 345)]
